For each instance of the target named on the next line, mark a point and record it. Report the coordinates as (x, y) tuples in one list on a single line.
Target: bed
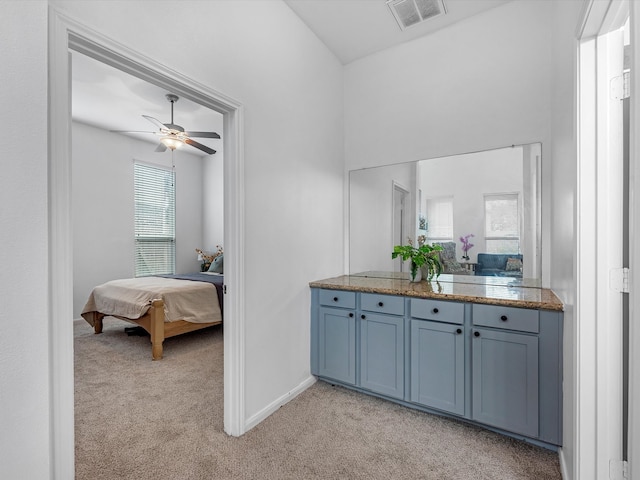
[(164, 305)]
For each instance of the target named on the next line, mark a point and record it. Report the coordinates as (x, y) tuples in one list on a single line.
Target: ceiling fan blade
[(155, 121), (161, 147), (203, 134), (199, 146)]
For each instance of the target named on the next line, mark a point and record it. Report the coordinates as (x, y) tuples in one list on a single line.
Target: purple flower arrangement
[(466, 245)]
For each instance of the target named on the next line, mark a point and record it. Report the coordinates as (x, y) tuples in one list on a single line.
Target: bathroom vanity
[(480, 349)]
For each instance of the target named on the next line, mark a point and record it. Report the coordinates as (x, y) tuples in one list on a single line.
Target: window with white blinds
[(439, 219), (502, 223), (155, 220)]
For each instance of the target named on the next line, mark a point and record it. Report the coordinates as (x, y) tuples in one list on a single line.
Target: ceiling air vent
[(412, 12)]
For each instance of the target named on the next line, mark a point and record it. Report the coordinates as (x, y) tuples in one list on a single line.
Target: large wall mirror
[(491, 197)]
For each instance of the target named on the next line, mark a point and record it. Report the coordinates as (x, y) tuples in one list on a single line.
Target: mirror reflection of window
[(502, 223), (439, 221)]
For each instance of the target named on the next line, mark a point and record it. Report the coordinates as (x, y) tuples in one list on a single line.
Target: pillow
[(216, 265), (514, 265)]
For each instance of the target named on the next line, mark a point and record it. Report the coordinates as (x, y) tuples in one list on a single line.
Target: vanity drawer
[(337, 298), (450, 312), (374, 302), (509, 318)]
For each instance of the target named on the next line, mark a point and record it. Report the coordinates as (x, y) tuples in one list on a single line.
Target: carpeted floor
[(138, 419)]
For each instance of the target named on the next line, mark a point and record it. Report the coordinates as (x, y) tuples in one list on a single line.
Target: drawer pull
[(380, 304), (476, 334), (350, 314), (435, 310), (459, 331), (363, 317), (504, 318), (335, 299)]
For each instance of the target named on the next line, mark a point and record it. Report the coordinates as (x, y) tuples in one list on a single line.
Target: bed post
[(97, 322), (157, 328)]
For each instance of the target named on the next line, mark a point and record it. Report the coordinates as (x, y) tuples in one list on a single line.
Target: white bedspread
[(187, 300)]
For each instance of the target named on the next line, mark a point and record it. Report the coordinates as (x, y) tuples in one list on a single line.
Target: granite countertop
[(452, 287)]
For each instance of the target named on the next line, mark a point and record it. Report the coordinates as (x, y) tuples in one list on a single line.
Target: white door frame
[(405, 230), (597, 362), (633, 446), (65, 33), (609, 258)]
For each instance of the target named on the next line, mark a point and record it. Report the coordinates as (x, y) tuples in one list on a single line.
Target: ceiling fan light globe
[(171, 142)]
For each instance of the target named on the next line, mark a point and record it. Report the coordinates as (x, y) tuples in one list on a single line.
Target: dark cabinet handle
[(476, 334), (459, 331), (435, 310), (363, 317), (503, 318), (350, 315), (380, 304), (335, 299)]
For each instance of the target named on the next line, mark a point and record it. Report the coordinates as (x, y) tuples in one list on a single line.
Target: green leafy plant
[(423, 255)]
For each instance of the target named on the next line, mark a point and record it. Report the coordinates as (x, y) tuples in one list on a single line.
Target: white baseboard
[(563, 465), (279, 402)]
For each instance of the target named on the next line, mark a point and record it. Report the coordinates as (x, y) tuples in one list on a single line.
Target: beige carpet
[(138, 419)]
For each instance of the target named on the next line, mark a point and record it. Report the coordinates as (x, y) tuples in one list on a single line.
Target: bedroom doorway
[(66, 36), (400, 225)]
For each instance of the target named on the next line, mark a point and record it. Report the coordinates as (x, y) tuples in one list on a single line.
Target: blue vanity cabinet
[(492, 365), (336, 336), (505, 353), (505, 380), (438, 355), (382, 342)]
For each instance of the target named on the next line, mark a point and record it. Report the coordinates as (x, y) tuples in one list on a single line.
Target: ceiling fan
[(172, 135)]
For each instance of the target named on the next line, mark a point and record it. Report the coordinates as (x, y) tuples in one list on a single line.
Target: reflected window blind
[(502, 223), (440, 218), (155, 220)]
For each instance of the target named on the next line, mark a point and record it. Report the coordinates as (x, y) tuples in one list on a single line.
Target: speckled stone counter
[(487, 290)]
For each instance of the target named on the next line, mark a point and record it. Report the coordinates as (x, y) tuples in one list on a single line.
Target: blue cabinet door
[(505, 380), (382, 354), (437, 365), (337, 344)]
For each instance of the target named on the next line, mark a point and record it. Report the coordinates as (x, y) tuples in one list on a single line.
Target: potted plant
[(423, 255), (205, 259), (466, 246)]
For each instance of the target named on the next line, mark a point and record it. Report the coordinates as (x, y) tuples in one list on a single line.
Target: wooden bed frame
[(153, 322)]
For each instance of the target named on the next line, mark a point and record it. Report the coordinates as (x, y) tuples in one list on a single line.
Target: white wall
[(291, 86), (213, 201), (563, 172), (482, 83), (24, 350), (103, 207)]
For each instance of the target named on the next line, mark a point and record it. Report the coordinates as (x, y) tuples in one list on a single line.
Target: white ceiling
[(353, 29), (108, 98)]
